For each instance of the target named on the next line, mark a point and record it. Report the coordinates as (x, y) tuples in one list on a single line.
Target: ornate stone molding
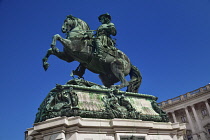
[(77, 128)]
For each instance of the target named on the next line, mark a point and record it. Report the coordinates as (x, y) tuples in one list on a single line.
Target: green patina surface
[(96, 52), (98, 102)]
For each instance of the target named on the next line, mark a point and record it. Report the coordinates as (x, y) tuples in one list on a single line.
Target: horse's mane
[(79, 22), (83, 24)]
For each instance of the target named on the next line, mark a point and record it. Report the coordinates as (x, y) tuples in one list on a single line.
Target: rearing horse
[(111, 69)]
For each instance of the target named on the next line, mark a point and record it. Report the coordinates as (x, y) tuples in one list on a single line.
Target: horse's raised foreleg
[(44, 60), (55, 51), (53, 44), (60, 55)]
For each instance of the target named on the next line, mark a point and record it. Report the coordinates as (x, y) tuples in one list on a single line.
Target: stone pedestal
[(77, 128), (81, 110)]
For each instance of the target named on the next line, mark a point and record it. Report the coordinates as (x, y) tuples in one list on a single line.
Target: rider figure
[(103, 39), (103, 34)]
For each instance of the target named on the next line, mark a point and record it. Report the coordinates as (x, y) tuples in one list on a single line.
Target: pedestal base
[(77, 128)]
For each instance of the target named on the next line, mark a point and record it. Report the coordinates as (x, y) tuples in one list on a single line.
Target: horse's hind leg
[(117, 69), (106, 80)]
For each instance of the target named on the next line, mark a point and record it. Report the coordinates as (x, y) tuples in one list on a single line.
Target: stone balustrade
[(185, 96)]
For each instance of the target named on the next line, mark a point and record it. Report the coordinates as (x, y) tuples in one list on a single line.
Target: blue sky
[(168, 40)]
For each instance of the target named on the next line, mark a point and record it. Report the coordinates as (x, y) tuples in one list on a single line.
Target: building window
[(132, 138), (204, 112), (189, 137), (184, 119)]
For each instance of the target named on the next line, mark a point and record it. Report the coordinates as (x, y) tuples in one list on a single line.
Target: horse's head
[(68, 24), (72, 22)]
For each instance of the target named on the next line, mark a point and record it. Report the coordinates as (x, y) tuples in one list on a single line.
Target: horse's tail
[(136, 78)]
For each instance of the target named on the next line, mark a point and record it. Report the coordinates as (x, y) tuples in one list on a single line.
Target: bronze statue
[(80, 45)]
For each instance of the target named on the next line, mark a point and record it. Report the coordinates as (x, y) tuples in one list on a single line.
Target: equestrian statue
[(95, 52)]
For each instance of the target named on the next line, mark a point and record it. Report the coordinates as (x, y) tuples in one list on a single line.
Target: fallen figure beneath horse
[(80, 45)]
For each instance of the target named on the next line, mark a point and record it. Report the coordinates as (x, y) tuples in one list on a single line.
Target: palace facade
[(192, 108)]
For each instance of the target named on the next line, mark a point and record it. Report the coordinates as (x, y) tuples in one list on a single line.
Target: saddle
[(111, 50)]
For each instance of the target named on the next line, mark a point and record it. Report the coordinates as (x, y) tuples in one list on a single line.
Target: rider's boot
[(98, 51)]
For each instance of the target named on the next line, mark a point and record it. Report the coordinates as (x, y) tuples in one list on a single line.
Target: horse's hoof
[(46, 65)]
